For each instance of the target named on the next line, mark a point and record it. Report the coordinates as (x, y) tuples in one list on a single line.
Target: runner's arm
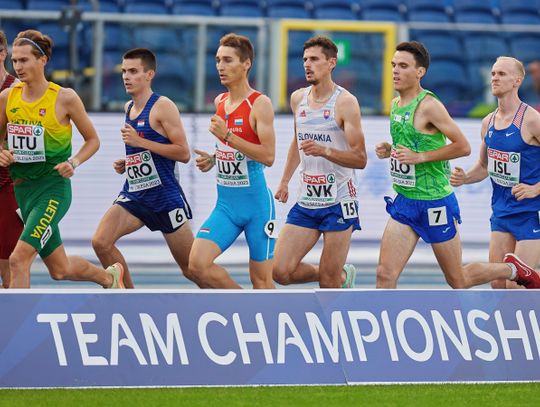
[(264, 127), (440, 119), (348, 109)]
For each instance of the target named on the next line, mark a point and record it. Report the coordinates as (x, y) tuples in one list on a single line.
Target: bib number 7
[(437, 216)]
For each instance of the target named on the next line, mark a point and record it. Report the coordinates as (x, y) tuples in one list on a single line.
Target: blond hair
[(518, 65)]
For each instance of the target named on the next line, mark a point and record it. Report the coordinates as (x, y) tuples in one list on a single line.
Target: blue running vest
[(151, 177), (511, 161)]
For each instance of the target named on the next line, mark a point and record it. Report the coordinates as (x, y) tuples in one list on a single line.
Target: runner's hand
[(312, 148), (458, 177), (130, 136), (523, 191), (6, 158), (218, 127), (383, 150), (282, 193), (204, 161), (65, 169), (407, 156), (119, 165)]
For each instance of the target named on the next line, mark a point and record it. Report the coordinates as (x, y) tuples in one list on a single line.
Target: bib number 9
[(270, 229)]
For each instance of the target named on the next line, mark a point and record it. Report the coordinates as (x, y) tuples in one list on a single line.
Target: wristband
[(227, 136), (73, 164)]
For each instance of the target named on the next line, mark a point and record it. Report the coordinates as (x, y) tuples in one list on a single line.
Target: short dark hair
[(147, 57), (329, 49), (41, 44), (418, 50), (241, 44)]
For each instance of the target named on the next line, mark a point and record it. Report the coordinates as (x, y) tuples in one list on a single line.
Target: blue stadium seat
[(146, 7), (432, 16), (11, 5), (442, 46), (118, 38), (526, 48), (158, 38), (335, 9), (12, 27), (54, 5), (56, 32), (174, 78), (520, 11), (484, 47), (112, 86), (287, 9), (382, 10), (107, 6), (448, 80), (296, 43), (473, 11), (193, 7), (427, 10), (243, 8)]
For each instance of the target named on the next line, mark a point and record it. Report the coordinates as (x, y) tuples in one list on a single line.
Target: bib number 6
[(178, 217)]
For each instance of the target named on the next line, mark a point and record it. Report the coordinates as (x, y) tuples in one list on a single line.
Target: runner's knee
[(281, 274), (385, 277), (101, 244)]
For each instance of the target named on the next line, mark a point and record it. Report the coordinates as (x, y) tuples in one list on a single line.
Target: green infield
[(508, 394)]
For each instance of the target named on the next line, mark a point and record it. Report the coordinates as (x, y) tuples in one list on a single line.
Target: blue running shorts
[(523, 225), (165, 221), (433, 220), (255, 217), (331, 219)]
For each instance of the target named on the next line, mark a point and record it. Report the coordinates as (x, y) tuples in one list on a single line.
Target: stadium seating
[(287, 9), (243, 8), (146, 6), (525, 47), (53, 5), (382, 10), (158, 39), (447, 79), (11, 5), (427, 10), (193, 7), (484, 47), (520, 11), (335, 9), (473, 11), (441, 46)]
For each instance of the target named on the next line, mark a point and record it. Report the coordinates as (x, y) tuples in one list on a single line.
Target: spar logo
[(19, 129), (319, 179), (225, 155), (239, 156), (146, 156), (503, 156)]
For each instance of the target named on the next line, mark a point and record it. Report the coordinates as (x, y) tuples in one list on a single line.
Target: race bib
[(318, 190), (402, 174), (271, 229), (27, 142), (437, 216), (503, 167), (232, 169), (178, 217), (141, 171), (349, 210)]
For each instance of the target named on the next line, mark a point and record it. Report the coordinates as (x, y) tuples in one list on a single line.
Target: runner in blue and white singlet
[(324, 183), (327, 147)]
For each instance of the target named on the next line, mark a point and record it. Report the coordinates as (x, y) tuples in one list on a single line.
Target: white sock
[(514, 270)]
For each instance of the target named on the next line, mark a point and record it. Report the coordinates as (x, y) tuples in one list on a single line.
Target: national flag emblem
[(204, 230), (238, 121), (326, 114), (303, 113), (42, 111), (140, 123)]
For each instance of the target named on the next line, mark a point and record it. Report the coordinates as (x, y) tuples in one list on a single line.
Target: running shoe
[(117, 272), (526, 276), (350, 276)]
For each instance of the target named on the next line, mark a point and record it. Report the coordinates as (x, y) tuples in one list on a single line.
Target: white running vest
[(322, 182)]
